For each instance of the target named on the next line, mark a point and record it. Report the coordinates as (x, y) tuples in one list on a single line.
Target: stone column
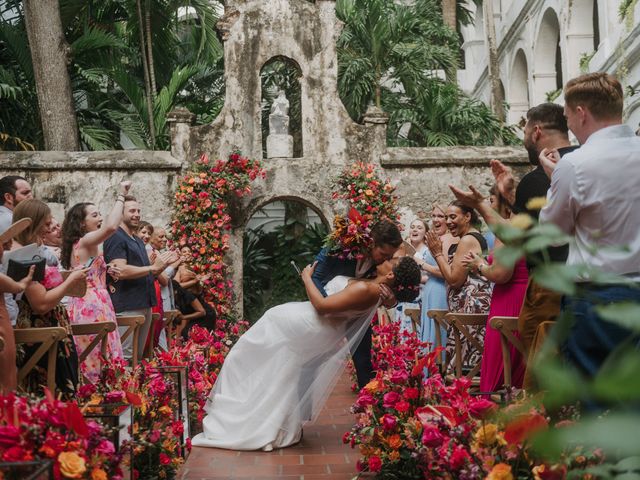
[(377, 121), (180, 120)]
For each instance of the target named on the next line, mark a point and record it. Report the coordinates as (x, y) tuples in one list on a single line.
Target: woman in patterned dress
[(83, 232), (40, 305), (467, 292)]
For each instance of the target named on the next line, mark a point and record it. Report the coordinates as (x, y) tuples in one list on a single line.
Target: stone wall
[(63, 179)]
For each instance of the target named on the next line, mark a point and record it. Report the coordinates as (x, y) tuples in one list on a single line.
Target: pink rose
[(411, 393), (390, 399), (389, 422), (459, 458), (399, 376), (365, 399), (480, 407), (402, 406), (431, 437)]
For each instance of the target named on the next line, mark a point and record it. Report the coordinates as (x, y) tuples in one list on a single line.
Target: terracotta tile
[(328, 459), (305, 469)]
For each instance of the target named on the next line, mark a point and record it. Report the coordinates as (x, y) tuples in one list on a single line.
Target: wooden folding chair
[(149, 347), (101, 331), (133, 324), (506, 326), (460, 323), (414, 315), (168, 317), (48, 337), (438, 317)]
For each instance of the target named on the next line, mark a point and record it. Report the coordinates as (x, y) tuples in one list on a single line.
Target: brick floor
[(320, 455)]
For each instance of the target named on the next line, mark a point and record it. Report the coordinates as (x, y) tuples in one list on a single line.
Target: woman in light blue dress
[(434, 291)]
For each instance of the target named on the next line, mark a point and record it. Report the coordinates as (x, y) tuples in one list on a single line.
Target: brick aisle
[(319, 456)]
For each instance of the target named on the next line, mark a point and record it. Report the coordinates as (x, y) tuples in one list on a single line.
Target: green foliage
[(389, 54), (271, 255), (106, 69)]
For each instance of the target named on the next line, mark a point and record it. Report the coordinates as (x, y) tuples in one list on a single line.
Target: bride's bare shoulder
[(363, 288)]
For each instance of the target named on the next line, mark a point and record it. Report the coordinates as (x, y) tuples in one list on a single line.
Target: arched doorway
[(518, 88), (547, 76), (279, 231), (583, 37)]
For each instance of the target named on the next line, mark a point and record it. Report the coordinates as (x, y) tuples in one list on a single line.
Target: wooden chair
[(438, 317), (133, 324), (48, 338), (460, 323), (506, 326), (414, 315), (168, 317), (101, 331)]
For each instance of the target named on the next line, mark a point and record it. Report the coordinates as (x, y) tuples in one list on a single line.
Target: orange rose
[(501, 471), (394, 456), (98, 474), (72, 465), (372, 386), (395, 442)]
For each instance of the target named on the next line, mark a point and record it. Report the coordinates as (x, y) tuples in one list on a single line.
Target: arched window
[(282, 74), (518, 88), (548, 79)]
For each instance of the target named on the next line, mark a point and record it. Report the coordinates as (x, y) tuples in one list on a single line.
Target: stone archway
[(583, 37), (547, 76), (519, 88)]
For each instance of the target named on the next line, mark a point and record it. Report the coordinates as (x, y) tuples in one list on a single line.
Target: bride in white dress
[(287, 363)]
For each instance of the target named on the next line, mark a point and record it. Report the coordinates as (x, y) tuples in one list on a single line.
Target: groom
[(386, 240)]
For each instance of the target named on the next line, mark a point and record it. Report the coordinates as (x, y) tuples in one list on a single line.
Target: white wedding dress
[(279, 374)]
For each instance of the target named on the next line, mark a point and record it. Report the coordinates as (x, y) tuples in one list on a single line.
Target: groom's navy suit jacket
[(330, 266)]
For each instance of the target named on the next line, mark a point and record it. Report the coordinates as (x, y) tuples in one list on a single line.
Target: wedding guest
[(417, 231), (185, 276), (8, 377), (144, 232), (52, 242), (13, 190), (84, 231), (132, 291), (603, 172), (434, 291), (467, 292), (40, 305), (193, 311), (510, 284), (158, 242)]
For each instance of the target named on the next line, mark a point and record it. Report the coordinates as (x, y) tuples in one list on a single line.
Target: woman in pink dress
[(83, 233), (506, 301)]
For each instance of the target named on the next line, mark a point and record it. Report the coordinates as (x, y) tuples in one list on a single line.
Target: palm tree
[(386, 46)]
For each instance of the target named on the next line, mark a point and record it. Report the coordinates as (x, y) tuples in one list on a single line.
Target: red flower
[(375, 464), (459, 458), (523, 427), (402, 406), (480, 407), (411, 393), (390, 399), (388, 422), (432, 437), (164, 459)]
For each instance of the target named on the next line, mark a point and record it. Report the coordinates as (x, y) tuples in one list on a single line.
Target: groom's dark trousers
[(328, 267)]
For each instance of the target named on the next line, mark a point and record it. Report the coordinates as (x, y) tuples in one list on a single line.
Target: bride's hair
[(407, 280)]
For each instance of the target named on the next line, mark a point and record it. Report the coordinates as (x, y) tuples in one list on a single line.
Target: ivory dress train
[(279, 374)]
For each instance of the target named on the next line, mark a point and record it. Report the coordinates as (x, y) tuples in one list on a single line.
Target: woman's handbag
[(18, 269)]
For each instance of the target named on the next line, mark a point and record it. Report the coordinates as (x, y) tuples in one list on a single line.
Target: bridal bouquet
[(370, 199)]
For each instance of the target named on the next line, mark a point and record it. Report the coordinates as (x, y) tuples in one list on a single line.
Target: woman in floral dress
[(83, 232), (40, 306)]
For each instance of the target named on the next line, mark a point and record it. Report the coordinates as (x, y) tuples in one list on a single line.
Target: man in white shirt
[(594, 196), (13, 190)]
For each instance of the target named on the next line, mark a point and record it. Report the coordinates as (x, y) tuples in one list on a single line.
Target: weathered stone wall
[(63, 179)]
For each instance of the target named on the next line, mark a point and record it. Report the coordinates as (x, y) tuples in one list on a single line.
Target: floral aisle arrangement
[(44, 428), (370, 199), (408, 427), (202, 218)]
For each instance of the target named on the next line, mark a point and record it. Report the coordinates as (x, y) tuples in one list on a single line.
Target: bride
[(257, 401)]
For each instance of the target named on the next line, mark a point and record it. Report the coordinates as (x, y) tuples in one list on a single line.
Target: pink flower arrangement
[(407, 427), (202, 218), (45, 428), (370, 199)]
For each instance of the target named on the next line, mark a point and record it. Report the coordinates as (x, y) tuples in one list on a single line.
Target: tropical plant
[(390, 54), (109, 51), (256, 272)]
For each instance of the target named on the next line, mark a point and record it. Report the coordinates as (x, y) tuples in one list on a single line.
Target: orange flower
[(394, 442), (72, 465), (373, 386), (501, 471), (394, 456), (98, 474)]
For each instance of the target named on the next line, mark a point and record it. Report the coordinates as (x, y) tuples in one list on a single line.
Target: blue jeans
[(591, 339)]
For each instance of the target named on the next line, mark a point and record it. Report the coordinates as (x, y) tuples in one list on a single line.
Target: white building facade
[(544, 43)]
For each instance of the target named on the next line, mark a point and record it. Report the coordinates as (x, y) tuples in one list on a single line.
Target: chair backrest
[(440, 321), (463, 336), (168, 317), (48, 337), (414, 315), (100, 330), (506, 326), (133, 324)]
